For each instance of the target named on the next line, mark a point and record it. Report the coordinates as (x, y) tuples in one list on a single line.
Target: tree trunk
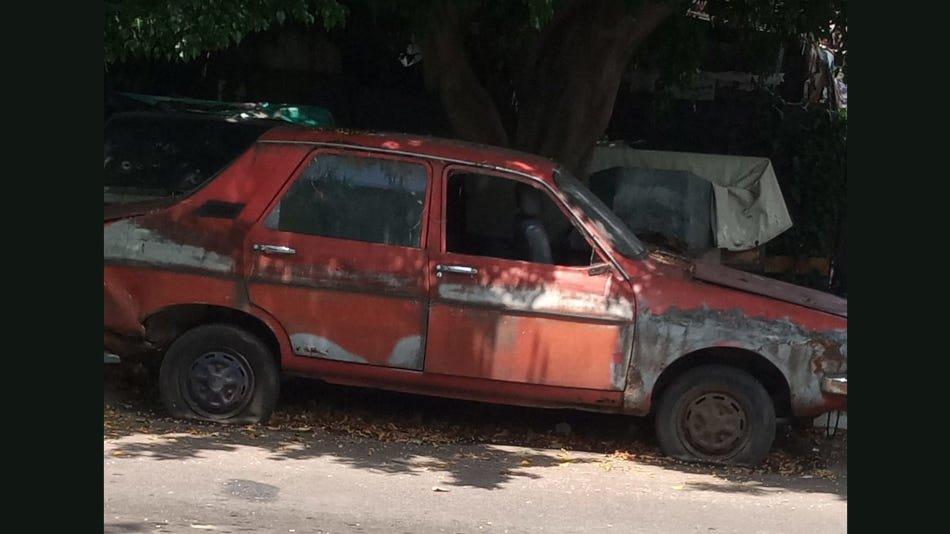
[(472, 114), (570, 86)]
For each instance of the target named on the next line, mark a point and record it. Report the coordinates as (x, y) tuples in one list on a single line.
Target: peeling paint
[(621, 360), (539, 299), (127, 241), (407, 353), (802, 356), (325, 276), (315, 346)]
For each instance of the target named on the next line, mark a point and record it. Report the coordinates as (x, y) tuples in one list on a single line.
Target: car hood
[(769, 287), (722, 275)]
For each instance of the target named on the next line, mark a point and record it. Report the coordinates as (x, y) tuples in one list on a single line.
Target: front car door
[(505, 306), (339, 260)]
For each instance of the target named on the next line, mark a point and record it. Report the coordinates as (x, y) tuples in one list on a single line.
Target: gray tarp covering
[(749, 207), (675, 204)]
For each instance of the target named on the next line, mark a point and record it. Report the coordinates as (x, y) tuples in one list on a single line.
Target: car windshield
[(621, 238), (152, 156)]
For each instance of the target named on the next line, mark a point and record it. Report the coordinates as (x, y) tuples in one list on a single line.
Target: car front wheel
[(219, 372), (716, 414)]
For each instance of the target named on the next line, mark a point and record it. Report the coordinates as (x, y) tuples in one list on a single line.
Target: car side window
[(487, 215), (355, 197)]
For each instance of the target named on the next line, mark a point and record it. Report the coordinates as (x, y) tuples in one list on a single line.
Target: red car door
[(521, 308), (339, 259)]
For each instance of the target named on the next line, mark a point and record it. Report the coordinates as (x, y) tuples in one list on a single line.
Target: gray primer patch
[(325, 276), (250, 490), (618, 371), (538, 300), (321, 347), (126, 240), (407, 353)]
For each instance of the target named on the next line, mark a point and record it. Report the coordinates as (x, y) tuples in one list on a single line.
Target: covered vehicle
[(695, 201), (446, 268)]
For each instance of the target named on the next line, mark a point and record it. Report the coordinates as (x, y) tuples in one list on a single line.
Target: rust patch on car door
[(539, 349)]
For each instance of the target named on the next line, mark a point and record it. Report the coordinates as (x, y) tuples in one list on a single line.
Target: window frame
[(546, 189), (354, 153)]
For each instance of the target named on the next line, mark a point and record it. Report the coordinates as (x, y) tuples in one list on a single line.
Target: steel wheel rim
[(715, 425), (219, 384)]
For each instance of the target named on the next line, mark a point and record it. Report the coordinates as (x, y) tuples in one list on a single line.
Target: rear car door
[(339, 259)]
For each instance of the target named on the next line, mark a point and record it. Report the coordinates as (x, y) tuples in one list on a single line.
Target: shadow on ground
[(471, 442)]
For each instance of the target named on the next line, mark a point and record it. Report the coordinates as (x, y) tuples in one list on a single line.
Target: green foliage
[(185, 29), (742, 35), (677, 50), (817, 142), (785, 18), (540, 12), (181, 30)]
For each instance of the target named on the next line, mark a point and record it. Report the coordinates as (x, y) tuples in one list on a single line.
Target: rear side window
[(154, 156), (354, 197)]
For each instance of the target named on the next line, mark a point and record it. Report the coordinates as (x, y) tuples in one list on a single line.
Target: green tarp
[(306, 115)]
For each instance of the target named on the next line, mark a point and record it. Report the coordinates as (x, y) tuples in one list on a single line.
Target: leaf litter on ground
[(432, 425)]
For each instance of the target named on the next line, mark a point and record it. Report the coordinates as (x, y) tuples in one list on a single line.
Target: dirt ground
[(131, 405)]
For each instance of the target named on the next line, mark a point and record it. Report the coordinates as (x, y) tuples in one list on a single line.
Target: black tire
[(716, 414), (221, 373)]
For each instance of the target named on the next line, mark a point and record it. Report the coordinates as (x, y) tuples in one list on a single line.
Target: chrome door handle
[(273, 249), (454, 269)]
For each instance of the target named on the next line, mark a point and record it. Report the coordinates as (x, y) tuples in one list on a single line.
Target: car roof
[(449, 150)]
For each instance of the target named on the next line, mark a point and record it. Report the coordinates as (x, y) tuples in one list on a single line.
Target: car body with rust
[(445, 268)]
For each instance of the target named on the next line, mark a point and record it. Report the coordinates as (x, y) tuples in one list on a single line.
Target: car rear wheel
[(221, 373), (716, 414)]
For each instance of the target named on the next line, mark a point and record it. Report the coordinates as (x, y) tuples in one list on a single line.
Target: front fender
[(802, 356)]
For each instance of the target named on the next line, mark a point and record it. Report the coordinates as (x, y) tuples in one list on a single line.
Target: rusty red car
[(445, 268)]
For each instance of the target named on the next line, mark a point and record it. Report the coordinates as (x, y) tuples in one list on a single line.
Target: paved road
[(324, 470), (316, 482)]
